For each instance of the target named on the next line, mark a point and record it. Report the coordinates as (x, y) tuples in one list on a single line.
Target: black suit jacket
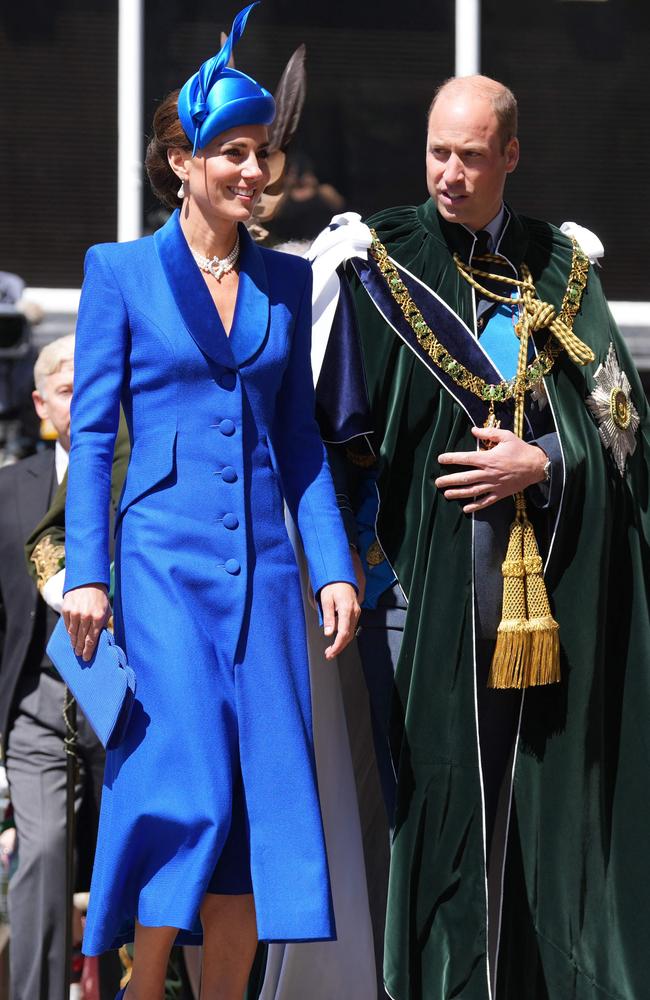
[(25, 491)]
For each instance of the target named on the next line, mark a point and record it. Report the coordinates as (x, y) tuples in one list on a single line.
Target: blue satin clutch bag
[(104, 687)]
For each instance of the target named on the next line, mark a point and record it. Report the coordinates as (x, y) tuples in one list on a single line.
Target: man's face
[(54, 404), (466, 164)]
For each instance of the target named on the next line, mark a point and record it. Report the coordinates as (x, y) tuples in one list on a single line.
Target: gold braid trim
[(362, 461), (48, 559), (374, 555), (539, 315)]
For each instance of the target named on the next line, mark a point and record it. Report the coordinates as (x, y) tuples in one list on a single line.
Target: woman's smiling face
[(226, 178)]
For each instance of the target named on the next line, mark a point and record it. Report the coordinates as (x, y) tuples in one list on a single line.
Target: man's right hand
[(86, 611)]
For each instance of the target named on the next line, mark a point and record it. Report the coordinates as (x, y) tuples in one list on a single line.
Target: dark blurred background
[(580, 69)]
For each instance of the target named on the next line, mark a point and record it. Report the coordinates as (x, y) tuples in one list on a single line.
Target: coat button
[(227, 380), (228, 474), (227, 427), (232, 566), (230, 521)]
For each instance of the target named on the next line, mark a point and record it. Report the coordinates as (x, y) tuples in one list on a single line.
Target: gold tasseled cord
[(527, 649)]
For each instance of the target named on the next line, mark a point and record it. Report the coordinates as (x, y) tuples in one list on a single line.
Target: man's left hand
[(508, 467)]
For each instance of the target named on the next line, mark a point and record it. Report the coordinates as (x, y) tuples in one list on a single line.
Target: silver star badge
[(612, 406)]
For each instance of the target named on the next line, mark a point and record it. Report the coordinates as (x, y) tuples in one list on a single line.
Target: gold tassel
[(544, 655), (527, 649), (511, 653)]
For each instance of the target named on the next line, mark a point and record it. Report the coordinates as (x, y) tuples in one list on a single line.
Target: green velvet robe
[(575, 916)]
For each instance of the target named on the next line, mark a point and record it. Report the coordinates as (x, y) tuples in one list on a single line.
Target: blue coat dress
[(214, 788)]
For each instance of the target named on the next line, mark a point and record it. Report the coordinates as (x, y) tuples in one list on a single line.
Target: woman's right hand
[(86, 611)]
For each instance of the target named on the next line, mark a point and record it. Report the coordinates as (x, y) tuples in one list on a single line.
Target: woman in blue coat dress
[(203, 338)]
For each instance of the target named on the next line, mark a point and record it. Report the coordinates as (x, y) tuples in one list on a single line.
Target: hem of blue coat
[(186, 937)]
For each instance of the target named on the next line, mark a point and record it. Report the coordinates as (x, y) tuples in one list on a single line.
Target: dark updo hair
[(167, 133)]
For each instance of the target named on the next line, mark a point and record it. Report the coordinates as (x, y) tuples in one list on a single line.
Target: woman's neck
[(211, 239)]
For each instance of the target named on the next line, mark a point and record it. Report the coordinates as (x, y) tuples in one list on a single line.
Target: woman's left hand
[(341, 612)]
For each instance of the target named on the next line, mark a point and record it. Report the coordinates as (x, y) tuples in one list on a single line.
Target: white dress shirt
[(52, 592)]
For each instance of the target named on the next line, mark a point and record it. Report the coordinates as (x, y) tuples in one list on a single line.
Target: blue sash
[(500, 341)]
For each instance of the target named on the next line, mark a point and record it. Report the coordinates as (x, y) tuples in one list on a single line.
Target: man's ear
[(39, 405), (512, 155)]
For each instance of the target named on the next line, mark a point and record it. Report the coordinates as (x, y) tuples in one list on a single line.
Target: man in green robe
[(520, 868)]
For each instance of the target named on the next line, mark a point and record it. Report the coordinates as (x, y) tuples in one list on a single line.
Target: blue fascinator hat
[(218, 97)]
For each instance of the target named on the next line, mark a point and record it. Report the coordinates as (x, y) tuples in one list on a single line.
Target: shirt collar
[(512, 242), (61, 459), (493, 227)]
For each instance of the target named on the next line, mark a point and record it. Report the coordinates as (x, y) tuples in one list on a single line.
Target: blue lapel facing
[(251, 320), (191, 294), (34, 487)]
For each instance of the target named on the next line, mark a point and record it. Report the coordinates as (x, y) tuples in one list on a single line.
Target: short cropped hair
[(51, 358), (502, 99)]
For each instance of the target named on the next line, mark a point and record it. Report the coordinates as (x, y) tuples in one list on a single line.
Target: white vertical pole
[(129, 119), (468, 37)]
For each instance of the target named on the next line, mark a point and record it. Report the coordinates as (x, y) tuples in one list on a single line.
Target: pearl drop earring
[(181, 191)]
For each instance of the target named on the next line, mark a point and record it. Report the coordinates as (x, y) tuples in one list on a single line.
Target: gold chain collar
[(539, 315)]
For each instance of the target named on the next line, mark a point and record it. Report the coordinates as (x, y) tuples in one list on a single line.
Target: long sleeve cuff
[(546, 495)]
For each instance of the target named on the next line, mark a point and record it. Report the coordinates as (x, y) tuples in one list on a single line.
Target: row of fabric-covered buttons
[(228, 474), (228, 381)]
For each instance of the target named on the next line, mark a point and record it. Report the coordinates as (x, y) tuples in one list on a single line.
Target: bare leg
[(151, 950), (229, 943), (193, 956)]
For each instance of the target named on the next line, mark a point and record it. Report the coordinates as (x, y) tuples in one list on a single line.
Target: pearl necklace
[(218, 266)]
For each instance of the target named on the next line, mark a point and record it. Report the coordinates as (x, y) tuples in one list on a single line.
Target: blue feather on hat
[(217, 97)]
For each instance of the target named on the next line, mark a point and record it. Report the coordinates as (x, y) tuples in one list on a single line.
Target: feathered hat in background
[(289, 100), (218, 97)]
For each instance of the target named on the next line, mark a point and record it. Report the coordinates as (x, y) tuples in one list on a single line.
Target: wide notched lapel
[(34, 485), (191, 293), (251, 319)]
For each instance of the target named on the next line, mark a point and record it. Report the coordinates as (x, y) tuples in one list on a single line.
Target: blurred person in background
[(31, 704), (18, 422), (307, 204)]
